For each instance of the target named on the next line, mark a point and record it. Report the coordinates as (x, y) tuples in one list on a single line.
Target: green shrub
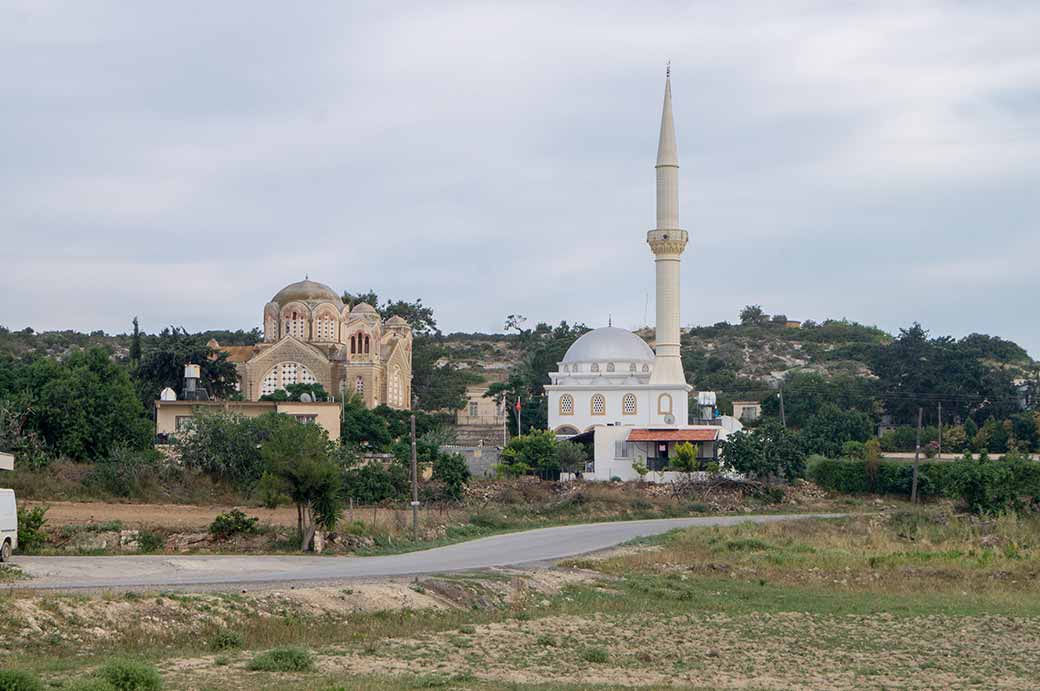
[(232, 523), (31, 536), (130, 675), (488, 519), (996, 487), (595, 655), (150, 541), (226, 640), (282, 660), (984, 486), (124, 472), (17, 680)]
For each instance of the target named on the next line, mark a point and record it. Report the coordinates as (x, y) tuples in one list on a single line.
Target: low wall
[(480, 460)]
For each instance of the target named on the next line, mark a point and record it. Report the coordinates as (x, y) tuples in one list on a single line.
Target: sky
[(184, 161)]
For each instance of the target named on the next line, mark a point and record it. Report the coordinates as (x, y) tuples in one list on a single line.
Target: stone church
[(312, 336)]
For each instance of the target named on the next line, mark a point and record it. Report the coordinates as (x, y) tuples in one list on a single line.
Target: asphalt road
[(544, 545)]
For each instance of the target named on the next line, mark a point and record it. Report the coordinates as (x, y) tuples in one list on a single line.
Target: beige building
[(747, 411), (311, 336), (171, 416)]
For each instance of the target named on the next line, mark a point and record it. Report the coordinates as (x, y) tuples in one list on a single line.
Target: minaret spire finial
[(610, 320), (668, 70)]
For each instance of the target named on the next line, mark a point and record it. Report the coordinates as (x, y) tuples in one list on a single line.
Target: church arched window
[(598, 404), (664, 404), (566, 404), (353, 345), (359, 385), (595, 367), (366, 344), (629, 404), (283, 374), (610, 366)]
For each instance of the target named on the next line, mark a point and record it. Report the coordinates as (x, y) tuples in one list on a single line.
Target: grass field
[(905, 600)]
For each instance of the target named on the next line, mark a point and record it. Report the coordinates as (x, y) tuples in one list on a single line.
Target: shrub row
[(985, 486)]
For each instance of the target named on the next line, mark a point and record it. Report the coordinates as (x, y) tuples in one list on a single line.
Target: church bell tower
[(667, 242)]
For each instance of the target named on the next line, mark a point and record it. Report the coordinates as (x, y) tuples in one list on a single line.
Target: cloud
[(183, 162)]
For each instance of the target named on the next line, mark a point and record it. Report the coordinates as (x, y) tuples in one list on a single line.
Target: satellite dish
[(306, 398), (669, 419), (168, 394)]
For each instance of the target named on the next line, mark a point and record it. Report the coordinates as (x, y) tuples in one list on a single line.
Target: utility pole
[(415, 488), (783, 418), (917, 454), (940, 430)]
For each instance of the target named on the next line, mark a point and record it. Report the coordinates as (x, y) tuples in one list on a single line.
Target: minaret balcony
[(669, 241)]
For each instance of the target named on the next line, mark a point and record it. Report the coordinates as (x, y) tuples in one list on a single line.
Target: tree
[(765, 453), (571, 457), (827, 431), (226, 446), (162, 365), (135, 344), (752, 315), (294, 392), (84, 407), (297, 454), (685, 458), (450, 469), (531, 453)]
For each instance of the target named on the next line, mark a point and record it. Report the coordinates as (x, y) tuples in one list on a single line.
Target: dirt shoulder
[(176, 516)]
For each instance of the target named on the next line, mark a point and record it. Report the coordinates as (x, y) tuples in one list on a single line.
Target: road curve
[(510, 549)]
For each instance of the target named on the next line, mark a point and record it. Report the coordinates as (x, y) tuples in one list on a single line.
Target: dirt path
[(177, 516)]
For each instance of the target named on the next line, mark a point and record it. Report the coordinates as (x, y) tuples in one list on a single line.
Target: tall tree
[(135, 344), (164, 358)]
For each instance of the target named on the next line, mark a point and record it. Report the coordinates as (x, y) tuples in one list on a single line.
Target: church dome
[(609, 343), (363, 308), (306, 291)]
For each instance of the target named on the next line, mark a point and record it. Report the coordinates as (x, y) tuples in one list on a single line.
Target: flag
[(517, 406)]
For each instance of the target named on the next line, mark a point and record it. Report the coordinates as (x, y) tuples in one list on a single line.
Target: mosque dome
[(609, 343), (306, 291)]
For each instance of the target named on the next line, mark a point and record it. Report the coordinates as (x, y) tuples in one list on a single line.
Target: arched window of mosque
[(595, 367), (664, 404), (610, 366), (632, 367), (629, 404), (359, 385), (598, 404), (646, 368), (566, 404), (566, 368)]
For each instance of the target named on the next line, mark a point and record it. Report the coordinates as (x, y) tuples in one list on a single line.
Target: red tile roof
[(673, 435)]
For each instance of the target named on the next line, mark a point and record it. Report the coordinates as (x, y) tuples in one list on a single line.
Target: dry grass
[(902, 552)]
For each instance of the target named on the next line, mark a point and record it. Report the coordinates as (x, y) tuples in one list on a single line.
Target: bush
[(451, 470), (282, 660), (234, 522), (30, 528), (984, 486), (996, 487), (17, 680), (595, 655), (130, 675), (226, 640), (150, 541), (124, 473), (376, 482)]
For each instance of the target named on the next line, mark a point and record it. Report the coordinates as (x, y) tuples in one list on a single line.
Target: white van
[(8, 524)]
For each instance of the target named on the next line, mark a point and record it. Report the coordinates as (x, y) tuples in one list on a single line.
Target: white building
[(611, 389)]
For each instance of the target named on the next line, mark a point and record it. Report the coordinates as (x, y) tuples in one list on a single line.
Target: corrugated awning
[(673, 435)]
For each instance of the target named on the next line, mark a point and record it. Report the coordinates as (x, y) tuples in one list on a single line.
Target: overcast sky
[(183, 161)]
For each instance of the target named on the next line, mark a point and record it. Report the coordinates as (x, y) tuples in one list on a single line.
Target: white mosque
[(611, 389)]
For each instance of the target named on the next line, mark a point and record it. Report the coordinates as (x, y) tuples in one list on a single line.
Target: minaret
[(667, 242)]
